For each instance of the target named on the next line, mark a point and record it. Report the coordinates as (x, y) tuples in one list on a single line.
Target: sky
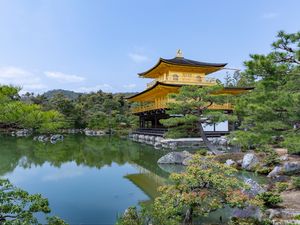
[(88, 45)]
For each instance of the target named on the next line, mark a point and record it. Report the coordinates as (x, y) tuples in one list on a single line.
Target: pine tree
[(270, 114), (191, 105)]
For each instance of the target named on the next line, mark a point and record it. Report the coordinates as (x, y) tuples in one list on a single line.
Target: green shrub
[(271, 158), (292, 143), (201, 151), (263, 170), (130, 217), (270, 199), (297, 217), (296, 182), (281, 186)]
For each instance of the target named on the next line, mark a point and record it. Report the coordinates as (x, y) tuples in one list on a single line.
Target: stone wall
[(168, 143)]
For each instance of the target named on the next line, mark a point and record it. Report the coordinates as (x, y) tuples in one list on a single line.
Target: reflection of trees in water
[(87, 151)]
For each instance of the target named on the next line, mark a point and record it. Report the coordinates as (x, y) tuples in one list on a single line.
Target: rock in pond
[(249, 161), (41, 138), (174, 157), (22, 133), (56, 137), (89, 132)]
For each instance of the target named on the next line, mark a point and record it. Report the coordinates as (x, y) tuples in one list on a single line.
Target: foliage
[(95, 110), (282, 186), (19, 207), (271, 157), (201, 151), (292, 143), (296, 182), (270, 113), (204, 187), (17, 114), (297, 217), (270, 199), (131, 217), (191, 105)]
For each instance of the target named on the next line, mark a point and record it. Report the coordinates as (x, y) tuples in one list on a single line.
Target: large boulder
[(174, 157), (291, 167), (187, 160), (275, 172), (250, 161), (249, 211), (254, 189)]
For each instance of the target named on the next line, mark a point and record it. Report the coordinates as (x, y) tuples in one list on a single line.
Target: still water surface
[(88, 180)]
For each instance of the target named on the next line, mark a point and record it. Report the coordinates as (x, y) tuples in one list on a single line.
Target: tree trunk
[(188, 219), (207, 143)]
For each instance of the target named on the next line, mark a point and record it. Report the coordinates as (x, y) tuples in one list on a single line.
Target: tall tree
[(270, 114), (191, 107)]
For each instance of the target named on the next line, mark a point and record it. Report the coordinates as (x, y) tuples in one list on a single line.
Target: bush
[(130, 217), (296, 182), (297, 217), (201, 152), (281, 186), (292, 143), (263, 170), (271, 158), (270, 199)]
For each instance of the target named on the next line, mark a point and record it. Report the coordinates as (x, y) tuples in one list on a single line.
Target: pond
[(88, 180)]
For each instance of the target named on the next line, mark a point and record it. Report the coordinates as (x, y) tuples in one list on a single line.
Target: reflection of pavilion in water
[(147, 181)]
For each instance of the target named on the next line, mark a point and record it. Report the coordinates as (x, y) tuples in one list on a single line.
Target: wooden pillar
[(140, 121), (155, 121)]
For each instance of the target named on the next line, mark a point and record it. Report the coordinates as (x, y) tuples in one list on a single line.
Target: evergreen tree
[(270, 114), (191, 107)]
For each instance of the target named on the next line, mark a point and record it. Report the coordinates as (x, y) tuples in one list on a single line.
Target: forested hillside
[(60, 109)]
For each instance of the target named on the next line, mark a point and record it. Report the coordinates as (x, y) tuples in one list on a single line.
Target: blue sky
[(86, 45)]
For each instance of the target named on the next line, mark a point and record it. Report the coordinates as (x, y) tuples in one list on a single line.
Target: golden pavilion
[(168, 76)]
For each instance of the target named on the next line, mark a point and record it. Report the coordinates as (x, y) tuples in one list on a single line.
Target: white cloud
[(129, 86), (64, 78), (17, 76), (138, 58), (103, 87), (270, 15), (62, 175)]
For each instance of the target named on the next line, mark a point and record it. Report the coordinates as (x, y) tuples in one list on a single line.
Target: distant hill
[(74, 95), (69, 94)]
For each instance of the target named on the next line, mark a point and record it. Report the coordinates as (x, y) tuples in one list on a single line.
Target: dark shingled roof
[(184, 62)]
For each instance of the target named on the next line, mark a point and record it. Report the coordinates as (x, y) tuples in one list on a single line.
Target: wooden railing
[(163, 105), (185, 80)]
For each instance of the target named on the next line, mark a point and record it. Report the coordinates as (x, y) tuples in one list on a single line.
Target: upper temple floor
[(180, 70)]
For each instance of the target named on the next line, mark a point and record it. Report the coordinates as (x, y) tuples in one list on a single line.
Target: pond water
[(88, 180)]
